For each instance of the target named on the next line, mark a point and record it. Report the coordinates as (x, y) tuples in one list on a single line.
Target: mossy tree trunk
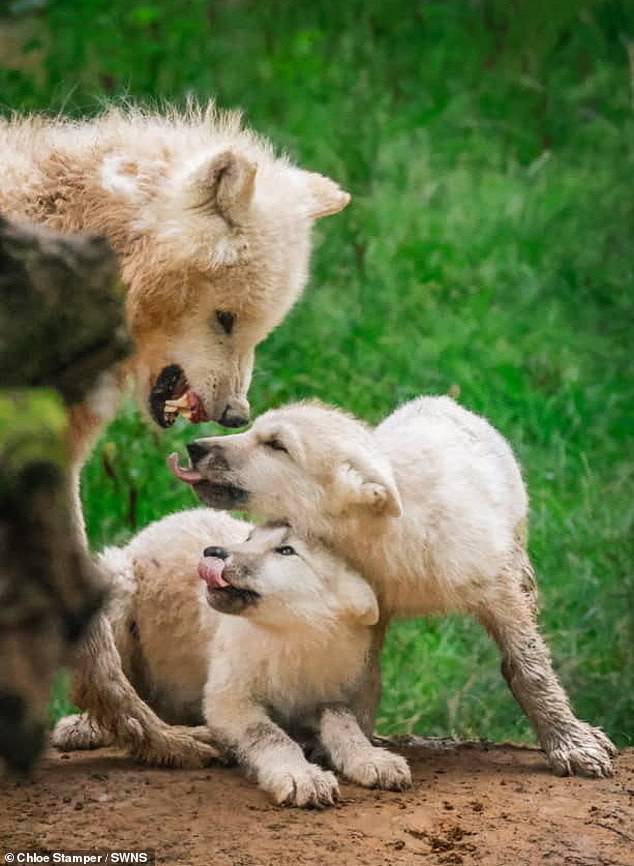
[(61, 327)]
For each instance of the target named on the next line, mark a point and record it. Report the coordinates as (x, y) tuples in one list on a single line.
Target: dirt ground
[(470, 804)]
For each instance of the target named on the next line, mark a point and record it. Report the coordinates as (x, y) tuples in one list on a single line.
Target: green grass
[(488, 250)]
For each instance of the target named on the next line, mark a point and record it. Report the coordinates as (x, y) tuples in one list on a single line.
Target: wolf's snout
[(234, 416), (200, 449), (216, 552), (197, 450)]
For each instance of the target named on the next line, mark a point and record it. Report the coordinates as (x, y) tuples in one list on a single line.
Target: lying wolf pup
[(266, 668), (431, 508), (272, 668)]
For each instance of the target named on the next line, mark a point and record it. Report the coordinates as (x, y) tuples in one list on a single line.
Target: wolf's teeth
[(175, 405)]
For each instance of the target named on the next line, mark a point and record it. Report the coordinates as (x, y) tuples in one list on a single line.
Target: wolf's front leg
[(354, 755), (571, 746), (276, 760)]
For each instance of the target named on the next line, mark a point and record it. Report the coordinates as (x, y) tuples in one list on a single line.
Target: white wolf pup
[(292, 658), (276, 637), (431, 509)]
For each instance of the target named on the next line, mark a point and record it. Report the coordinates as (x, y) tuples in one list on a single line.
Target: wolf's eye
[(226, 320), (286, 550), (276, 445)]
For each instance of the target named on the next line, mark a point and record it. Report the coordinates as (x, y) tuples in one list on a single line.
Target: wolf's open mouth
[(216, 495), (171, 396), (223, 595)]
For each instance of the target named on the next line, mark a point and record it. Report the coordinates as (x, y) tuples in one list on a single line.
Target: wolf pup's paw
[(307, 787), (379, 769), (581, 751)]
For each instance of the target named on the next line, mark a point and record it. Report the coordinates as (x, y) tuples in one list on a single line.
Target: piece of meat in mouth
[(171, 396)]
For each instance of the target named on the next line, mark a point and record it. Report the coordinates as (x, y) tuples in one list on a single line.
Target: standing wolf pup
[(431, 509), (212, 231)]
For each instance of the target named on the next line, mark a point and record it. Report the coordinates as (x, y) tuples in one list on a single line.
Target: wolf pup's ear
[(367, 483), (325, 197), (357, 598), (223, 185)]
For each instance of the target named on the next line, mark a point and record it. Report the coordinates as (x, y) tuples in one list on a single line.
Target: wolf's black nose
[(232, 418), (216, 552), (196, 451)]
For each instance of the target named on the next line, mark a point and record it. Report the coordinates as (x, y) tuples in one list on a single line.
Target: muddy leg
[(571, 746), (103, 691), (366, 702)]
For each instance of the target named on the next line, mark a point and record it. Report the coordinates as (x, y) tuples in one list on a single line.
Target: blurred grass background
[(489, 147)]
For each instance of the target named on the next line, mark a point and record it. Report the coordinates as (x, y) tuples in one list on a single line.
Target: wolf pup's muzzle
[(209, 476), (224, 593)]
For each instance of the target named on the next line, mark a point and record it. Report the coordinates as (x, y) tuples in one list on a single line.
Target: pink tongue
[(210, 570), (189, 476)]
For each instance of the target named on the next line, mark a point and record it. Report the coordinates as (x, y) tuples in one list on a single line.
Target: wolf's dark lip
[(237, 591), (232, 599), (170, 384), (224, 496)]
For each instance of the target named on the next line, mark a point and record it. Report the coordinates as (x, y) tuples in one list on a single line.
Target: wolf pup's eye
[(276, 445), (286, 550), (226, 320)]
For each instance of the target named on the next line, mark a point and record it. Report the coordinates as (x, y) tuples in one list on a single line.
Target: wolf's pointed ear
[(325, 197), (367, 482), (358, 601), (223, 184)]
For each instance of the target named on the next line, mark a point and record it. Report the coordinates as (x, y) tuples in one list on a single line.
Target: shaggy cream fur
[(205, 219)]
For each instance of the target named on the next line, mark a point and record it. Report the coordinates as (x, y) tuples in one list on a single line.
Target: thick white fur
[(292, 662), (431, 508)]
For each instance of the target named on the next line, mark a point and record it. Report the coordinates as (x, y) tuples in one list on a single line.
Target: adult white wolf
[(212, 231)]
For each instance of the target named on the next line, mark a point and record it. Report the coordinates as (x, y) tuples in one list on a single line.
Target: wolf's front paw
[(308, 786), (79, 732), (379, 769), (580, 751)]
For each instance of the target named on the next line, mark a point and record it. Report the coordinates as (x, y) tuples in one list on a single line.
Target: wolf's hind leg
[(102, 689), (571, 746), (366, 701)]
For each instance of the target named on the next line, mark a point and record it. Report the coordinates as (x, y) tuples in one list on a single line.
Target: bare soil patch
[(471, 803)]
